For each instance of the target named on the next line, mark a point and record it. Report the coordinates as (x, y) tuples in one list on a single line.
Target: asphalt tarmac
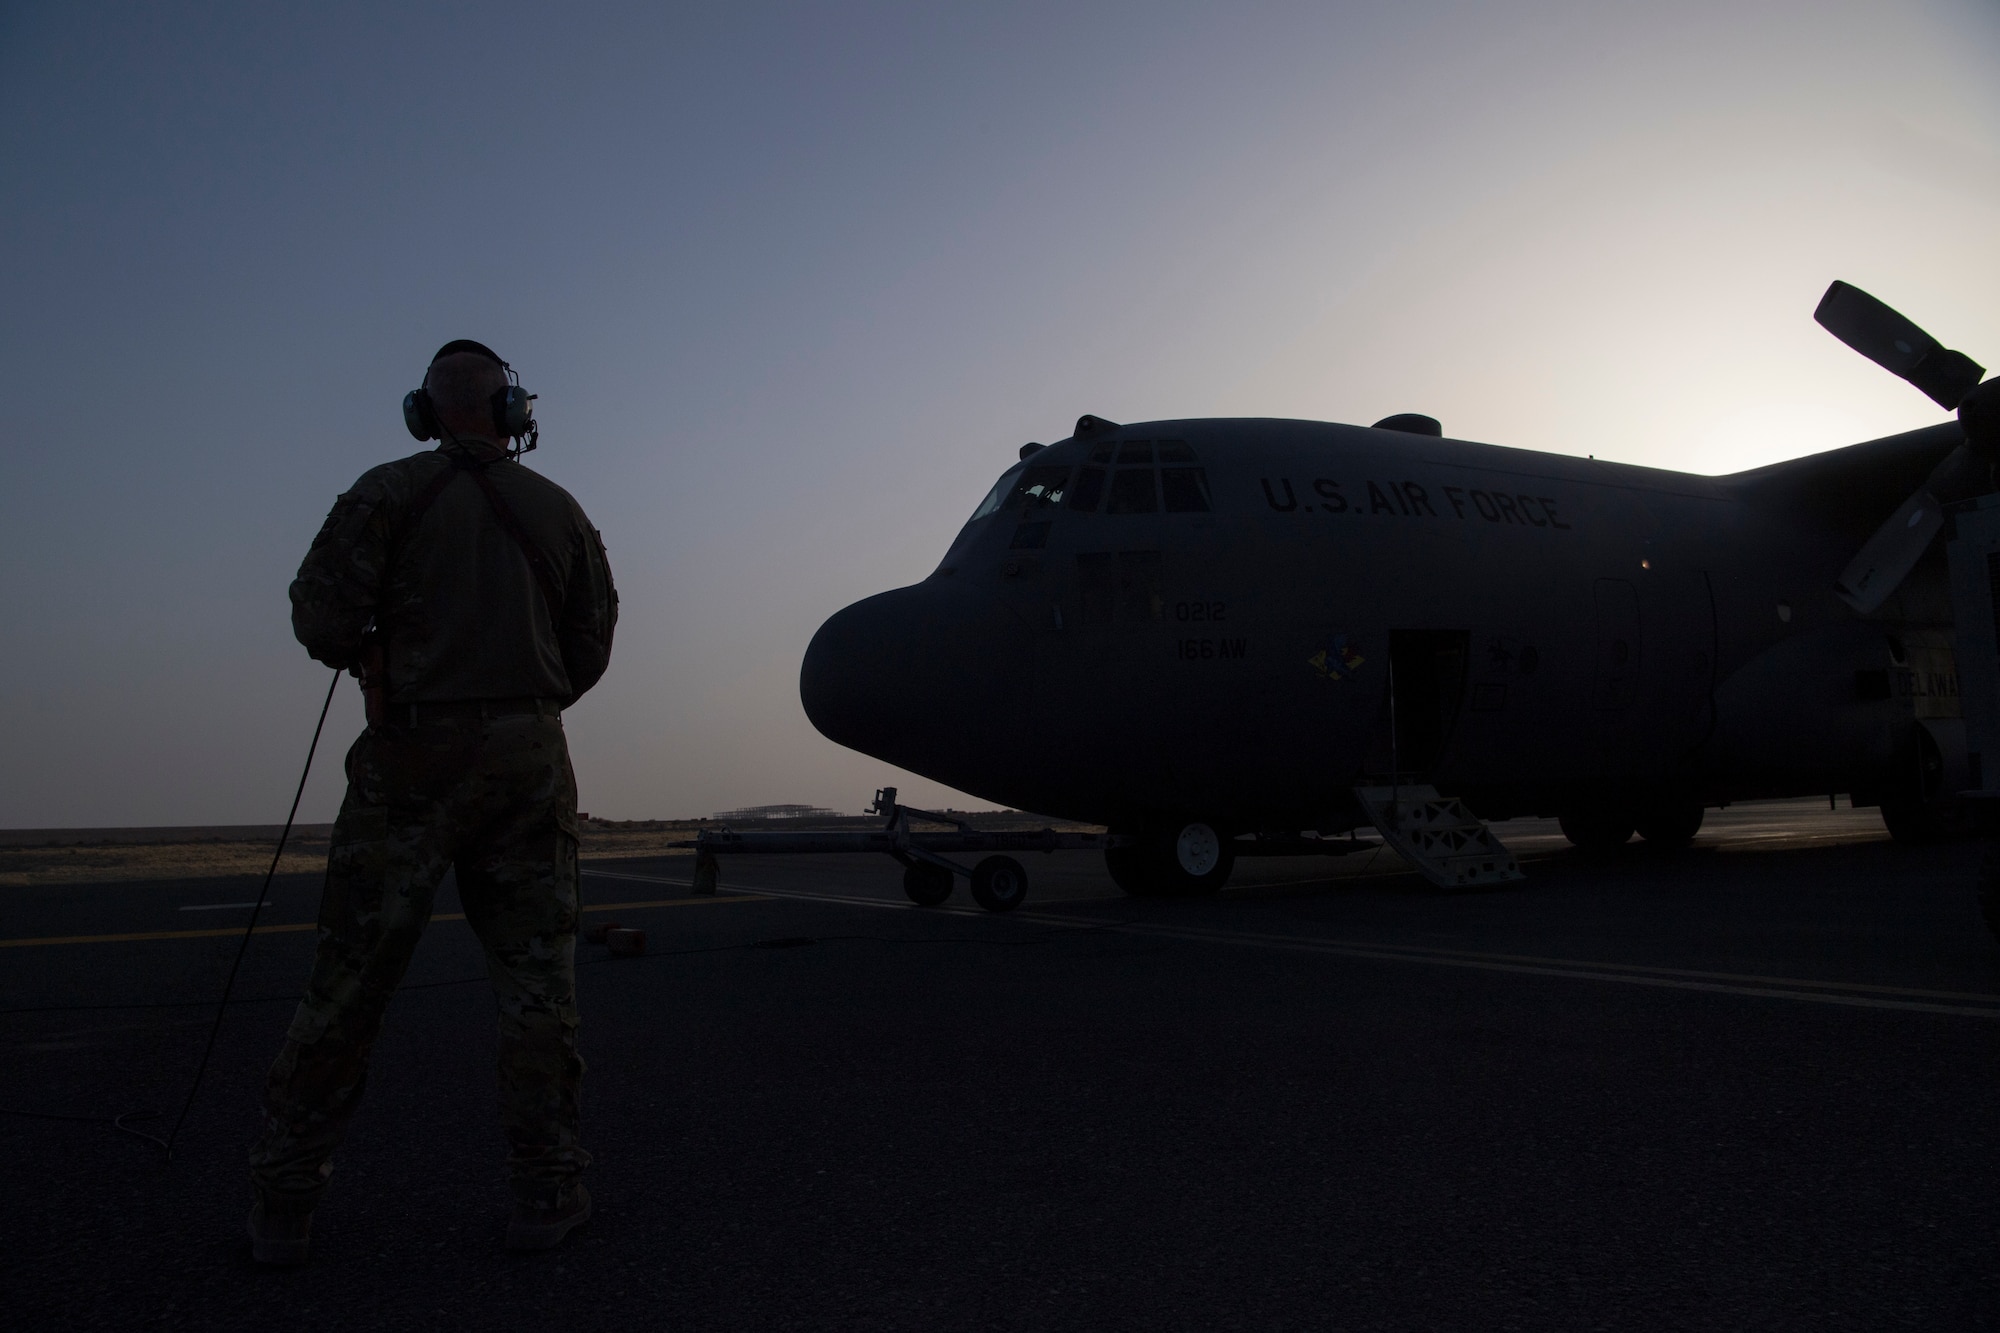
[(1753, 1085)]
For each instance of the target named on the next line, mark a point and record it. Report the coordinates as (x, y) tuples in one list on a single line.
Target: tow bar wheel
[(999, 884), (927, 885)]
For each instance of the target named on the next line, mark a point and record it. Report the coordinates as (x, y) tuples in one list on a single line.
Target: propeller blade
[(1898, 346), (1889, 555)]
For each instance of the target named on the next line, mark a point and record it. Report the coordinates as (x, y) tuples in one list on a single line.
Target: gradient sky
[(795, 282)]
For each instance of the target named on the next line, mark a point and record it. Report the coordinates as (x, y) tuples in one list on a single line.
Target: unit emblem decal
[(1339, 659)]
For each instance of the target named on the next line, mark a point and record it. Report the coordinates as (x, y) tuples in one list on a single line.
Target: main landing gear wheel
[(1596, 829), (925, 884), (1916, 810), (1186, 862), (1670, 826), (1913, 822), (999, 884), (1131, 870)]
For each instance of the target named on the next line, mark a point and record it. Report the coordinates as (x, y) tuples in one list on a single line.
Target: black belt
[(409, 715)]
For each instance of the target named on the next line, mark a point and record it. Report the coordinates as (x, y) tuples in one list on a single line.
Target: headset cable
[(242, 945)]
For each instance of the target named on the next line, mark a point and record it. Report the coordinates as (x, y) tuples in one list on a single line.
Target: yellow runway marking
[(291, 927)]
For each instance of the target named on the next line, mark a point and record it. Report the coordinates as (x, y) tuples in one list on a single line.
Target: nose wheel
[(1176, 861)]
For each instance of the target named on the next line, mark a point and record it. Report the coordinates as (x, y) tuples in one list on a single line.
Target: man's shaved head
[(462, 386)]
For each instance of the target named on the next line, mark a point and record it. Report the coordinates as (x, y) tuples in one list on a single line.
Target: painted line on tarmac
[(291, 927), (1775, 988), (1859, 995), (1748, 978)]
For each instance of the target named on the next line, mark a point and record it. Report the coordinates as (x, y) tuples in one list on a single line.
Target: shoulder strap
[(544, 575), (432, 489)]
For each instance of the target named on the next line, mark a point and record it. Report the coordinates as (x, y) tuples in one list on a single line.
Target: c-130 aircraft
[(1209, 633)]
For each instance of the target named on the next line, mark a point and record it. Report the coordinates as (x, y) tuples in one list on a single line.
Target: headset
[(513, 406)]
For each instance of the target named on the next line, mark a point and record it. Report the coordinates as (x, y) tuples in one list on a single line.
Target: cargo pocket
[(308, 1025), (357, 870)]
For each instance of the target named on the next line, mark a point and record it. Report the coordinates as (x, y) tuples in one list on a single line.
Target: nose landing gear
[(1173, 862)]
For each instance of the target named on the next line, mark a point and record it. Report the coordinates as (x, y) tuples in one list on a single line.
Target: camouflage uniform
[(480, 781)]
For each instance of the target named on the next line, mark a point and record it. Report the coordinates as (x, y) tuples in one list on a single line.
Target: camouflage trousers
[(495, 798)]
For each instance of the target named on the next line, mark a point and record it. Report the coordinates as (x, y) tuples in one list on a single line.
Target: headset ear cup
[(513, 411), (418, 416)]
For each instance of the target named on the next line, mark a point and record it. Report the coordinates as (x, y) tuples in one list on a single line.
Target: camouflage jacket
[(418, 549)]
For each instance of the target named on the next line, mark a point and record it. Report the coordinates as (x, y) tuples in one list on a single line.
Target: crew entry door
[(1427, 674)]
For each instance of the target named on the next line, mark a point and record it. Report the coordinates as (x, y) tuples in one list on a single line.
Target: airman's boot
[(542, 1224), (279, 1230)]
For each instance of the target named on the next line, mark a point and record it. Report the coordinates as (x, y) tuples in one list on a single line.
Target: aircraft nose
[(917, 676)]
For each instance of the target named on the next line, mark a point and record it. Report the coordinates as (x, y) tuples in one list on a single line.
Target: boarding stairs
[(1445, 842)]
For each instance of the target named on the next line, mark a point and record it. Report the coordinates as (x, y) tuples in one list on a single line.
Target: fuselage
[(1219, 619)]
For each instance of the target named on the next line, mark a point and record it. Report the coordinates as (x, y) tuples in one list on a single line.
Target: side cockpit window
[(1001, 490), (1040, 488)]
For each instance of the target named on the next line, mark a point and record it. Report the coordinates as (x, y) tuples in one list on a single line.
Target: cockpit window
[(1001, 490), (1132, 492), (1040, 486), (1135, 487), (1089, 489), (1185, 490)]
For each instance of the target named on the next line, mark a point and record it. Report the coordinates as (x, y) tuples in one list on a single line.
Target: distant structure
[(778, 812)]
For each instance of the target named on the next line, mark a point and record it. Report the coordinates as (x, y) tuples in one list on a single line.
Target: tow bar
[(999, 882)]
